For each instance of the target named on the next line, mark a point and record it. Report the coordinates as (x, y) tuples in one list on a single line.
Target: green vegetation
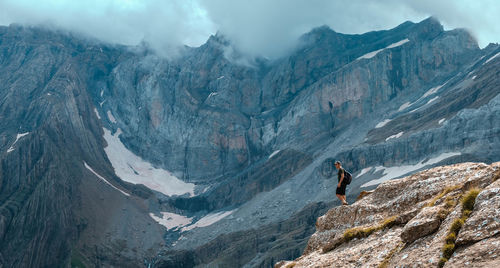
[(360, 232), (468, 201), (441, 194), (450, 238), (448, 250), (456, 225), (442, 261)]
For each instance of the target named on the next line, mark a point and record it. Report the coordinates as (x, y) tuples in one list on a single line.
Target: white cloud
[(258, 27)]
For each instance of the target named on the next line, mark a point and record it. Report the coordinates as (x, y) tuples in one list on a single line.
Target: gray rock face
[(214, 120), (426, 222)]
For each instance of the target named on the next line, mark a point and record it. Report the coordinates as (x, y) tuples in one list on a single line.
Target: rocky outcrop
[(435, 197), (426, 222)]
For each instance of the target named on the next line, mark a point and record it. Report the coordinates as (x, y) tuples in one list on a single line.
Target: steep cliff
[(113, 156), (445, 216)]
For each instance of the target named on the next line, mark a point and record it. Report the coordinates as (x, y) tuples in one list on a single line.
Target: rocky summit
[(112, 156), (446, 216)]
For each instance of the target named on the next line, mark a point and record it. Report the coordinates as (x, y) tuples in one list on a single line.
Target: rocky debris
[(432, 196)]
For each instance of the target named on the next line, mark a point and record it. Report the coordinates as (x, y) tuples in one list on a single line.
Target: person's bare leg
[(344, 200), (340, 198)]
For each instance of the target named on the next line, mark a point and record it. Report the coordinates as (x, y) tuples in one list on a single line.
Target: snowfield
[(174, 221), (131, 168), (171, 220), (208, 220), (394, 172)]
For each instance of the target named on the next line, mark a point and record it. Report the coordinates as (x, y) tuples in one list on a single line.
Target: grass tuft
[(441, 194), (450, 238), (360, 232), (448, 250), (442, 261), (469, 199), (389, 222), (357, 232), (456, 225)]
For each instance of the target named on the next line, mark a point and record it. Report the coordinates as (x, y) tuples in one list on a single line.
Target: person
[(341, 183)]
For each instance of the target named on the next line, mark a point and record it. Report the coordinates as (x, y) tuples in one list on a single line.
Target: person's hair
[(337, 162)]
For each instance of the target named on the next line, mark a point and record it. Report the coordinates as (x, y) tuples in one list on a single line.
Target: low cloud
[(258, 27)]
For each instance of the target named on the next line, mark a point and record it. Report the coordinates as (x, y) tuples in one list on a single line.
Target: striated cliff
[(113, 156), (445, 216)]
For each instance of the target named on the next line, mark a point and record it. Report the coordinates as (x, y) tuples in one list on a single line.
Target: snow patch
[(273, 154), (97, 113), (394, 172), (220, 78), (171, 220), (102, 92), (19, 135), (404, 106), (474, 77), (383, 123), (396, 136), (494, 56), (111, 117), (397, 44), (131, 168), (433, 99), (103, 179), (441, 121), (432, 91), (370, 54), (364, 171), (212, 94), (208, 220), (374, 53), (48, 94)]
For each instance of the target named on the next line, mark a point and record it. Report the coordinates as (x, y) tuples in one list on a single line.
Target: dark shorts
[(341, 190)]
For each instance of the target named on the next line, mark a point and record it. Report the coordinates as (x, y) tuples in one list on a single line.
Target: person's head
[(337, 164)]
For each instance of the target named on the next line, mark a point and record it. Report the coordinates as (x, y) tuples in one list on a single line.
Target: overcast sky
[(258, 27)]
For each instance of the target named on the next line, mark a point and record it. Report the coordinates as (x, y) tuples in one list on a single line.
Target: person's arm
[(341, 178)]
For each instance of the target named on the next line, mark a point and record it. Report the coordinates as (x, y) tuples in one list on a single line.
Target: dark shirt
[(339, 174)]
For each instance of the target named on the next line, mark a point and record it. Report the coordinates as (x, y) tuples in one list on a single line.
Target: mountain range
[(113, 156)]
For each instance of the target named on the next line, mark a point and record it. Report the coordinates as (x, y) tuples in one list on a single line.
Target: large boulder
[(425, 223)]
